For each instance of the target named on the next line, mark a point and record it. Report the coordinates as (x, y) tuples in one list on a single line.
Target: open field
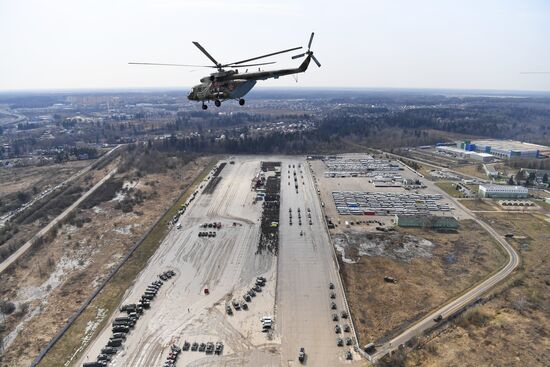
[(430, 267), (475, 170), (24, 179), (449, 188), (50, 282), (483, 205), (512, 327), (23, 225)]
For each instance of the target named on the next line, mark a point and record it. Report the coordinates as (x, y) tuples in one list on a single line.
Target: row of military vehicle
[(121, 325), (183, 208), (247, 297), (208, 347), (299, 216), (207, 234), (216, 225), (337, 328)]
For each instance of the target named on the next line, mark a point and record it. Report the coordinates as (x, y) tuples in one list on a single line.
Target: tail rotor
[(308, 52)]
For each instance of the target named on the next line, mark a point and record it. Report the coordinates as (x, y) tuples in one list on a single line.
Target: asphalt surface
[(306, 267)]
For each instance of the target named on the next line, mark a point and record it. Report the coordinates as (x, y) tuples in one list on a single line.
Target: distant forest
[(386, 124), (339, 121)]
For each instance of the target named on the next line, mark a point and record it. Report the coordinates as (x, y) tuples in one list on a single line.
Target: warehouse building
[(461, 153), (426, 221), (505, 148), (503, 191)]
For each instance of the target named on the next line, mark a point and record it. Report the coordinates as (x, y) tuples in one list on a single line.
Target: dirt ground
[(51, 282), (449, 188), (24, 178), (472, 170), (513, 327), (483, 205), (430, 267), (26, 224)]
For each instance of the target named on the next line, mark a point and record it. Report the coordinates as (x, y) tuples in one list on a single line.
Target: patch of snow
[(119, 196), (8, 339), (65, 264), (125, 230), (341, 249), (371, 248), (69, 228), (88, 332)]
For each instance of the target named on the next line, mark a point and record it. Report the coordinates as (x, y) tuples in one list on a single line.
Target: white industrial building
[(457, 152), (503, 191)]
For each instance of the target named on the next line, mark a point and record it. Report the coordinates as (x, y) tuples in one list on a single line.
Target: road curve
[(460, 302)]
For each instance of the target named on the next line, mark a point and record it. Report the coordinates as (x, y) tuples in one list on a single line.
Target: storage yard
[(227, 298), (385, 203), (359, 165), (358, 199), (395, 275)]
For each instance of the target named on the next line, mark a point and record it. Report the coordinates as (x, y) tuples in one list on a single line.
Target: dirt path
[(23, 249)]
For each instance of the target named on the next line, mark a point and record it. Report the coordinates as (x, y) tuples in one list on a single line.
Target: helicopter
[(229, 84)]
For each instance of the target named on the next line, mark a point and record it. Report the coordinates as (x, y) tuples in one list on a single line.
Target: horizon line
[(273, 88)]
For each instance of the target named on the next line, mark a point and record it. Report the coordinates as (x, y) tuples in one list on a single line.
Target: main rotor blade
[(206, 53), (298, 56), (154, 63), (261, 63), (535, 72), (316, 61), (261, 57), (310, 40)]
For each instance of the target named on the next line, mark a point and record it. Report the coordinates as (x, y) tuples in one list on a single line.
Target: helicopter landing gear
[(217, 103), (204, 107), (241, 102)]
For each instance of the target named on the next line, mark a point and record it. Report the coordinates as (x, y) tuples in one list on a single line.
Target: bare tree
[(520, 303)]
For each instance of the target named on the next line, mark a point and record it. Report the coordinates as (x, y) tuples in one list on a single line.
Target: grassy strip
[(474, 204), (111, 295), (449, 188), (543, 204)]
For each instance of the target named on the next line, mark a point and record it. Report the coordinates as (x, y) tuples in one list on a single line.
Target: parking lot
[(226, 265), (215, 268), (387, 203), (366, 184)]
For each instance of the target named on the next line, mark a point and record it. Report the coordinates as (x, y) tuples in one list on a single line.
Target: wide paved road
[(305, 268)]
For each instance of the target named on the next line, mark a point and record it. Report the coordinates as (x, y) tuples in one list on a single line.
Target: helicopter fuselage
[(221, 90), (231, 84)]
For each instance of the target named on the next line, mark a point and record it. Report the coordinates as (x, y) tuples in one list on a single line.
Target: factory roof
[(503, 187), (510, 145)]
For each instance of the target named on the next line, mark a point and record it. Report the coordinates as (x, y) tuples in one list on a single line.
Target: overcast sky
[(467, 44)]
